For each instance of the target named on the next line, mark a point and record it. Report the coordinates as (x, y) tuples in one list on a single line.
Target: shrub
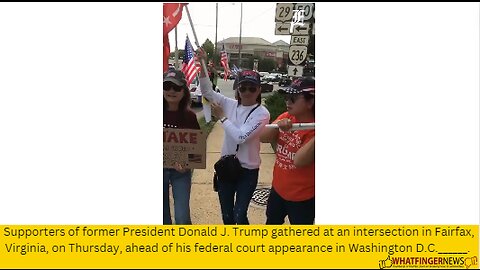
[(275, 105), (206, 127)]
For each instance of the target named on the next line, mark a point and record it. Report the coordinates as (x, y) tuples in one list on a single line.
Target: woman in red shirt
[(293, 185)]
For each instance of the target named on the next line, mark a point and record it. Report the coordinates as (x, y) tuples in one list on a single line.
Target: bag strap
[(246, 121)]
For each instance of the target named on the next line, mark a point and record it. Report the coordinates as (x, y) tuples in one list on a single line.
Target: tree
[(209, 48), (311, 45), (266, 64)]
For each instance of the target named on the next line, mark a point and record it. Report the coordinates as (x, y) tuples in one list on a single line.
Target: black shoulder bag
[(228, 167)]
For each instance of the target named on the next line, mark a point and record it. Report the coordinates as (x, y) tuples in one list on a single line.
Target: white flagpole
[(204, 66), (206, 105), (296, 126)]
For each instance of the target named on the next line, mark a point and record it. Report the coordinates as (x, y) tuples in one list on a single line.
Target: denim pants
[(181, 185), (235, 196), (299, 213)]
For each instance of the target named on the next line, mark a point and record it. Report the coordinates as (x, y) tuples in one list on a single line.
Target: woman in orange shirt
[(293, 186)]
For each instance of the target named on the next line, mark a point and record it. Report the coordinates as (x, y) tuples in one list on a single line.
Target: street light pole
[(216, 27), (240, 38), (176, 49)]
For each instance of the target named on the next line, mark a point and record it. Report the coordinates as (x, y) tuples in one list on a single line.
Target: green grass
[(206, 127)]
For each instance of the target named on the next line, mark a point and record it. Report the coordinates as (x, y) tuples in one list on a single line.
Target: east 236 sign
[(297, 54)]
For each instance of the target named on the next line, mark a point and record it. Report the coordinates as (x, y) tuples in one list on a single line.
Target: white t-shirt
[(238, 131)]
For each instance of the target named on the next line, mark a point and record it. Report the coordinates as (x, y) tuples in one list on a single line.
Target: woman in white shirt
[(242, 119)]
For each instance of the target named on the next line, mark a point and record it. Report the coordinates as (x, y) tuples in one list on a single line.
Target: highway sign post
[(295, 71), (298, 20), (284, 12), (282, 28), (299, 40), (300, 30), (307, 10), (297, 54)]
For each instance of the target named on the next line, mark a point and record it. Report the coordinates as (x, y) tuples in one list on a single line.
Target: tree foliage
[(266, 64), (209, 48), (275, 104)]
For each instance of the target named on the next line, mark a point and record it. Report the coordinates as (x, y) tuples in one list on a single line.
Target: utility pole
[(216, 29), (176, 49), (240, 38)]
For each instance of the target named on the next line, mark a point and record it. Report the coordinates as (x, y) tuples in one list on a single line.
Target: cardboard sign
[(185, 146)]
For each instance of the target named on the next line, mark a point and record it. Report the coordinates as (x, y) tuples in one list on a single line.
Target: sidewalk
[(204, 204)]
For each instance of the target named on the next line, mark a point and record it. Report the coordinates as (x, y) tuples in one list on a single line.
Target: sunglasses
[(168, 86), (292, 97), (252, 89)]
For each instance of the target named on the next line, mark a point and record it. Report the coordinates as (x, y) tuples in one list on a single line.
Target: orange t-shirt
[(290, 182)]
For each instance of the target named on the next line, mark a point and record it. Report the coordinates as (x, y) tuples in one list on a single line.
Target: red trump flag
[(172, 14)]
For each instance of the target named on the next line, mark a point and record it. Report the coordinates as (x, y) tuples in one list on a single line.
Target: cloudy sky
[(258, 21)]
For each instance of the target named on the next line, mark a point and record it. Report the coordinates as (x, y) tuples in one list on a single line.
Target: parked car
[(272, 77), (196, 93), (263, 73), (285, 81), (266, 86)]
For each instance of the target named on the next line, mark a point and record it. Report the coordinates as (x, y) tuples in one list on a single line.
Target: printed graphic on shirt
[(288, 145), (243, 137)]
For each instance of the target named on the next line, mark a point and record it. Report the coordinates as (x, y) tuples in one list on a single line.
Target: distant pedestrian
[(177, 114), (212, 74), (293, 185), (242, 119)]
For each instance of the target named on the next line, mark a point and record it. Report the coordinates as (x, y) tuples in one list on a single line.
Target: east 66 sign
[(297, 54)]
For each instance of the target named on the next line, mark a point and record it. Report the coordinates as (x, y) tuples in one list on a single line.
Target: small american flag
[(224, 62), (189, 66), (195, 158)]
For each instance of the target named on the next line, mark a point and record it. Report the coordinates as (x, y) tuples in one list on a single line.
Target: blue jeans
[(181, 185), (235, 196), (299, 213)]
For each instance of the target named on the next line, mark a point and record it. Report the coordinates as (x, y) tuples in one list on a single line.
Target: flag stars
[(166, 21)]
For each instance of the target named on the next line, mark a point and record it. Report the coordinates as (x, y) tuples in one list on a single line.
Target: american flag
[(224, 62), (195, 158), (189, 67)]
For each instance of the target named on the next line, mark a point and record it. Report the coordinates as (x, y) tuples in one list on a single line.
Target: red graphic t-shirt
[(290, 182)]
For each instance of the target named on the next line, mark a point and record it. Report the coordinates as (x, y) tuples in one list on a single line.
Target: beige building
[(258, 47)]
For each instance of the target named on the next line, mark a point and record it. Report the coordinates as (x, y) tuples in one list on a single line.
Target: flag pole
[(202, 62), (176, 49), (296, 126), (206, 104)]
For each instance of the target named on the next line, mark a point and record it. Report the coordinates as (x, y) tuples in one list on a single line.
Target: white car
[(196, 93)]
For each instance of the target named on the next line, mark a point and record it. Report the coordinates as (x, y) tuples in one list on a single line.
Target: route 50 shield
[(297, 54)]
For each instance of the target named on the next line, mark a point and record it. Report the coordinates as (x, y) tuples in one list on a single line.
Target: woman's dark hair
[(308, 97)]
